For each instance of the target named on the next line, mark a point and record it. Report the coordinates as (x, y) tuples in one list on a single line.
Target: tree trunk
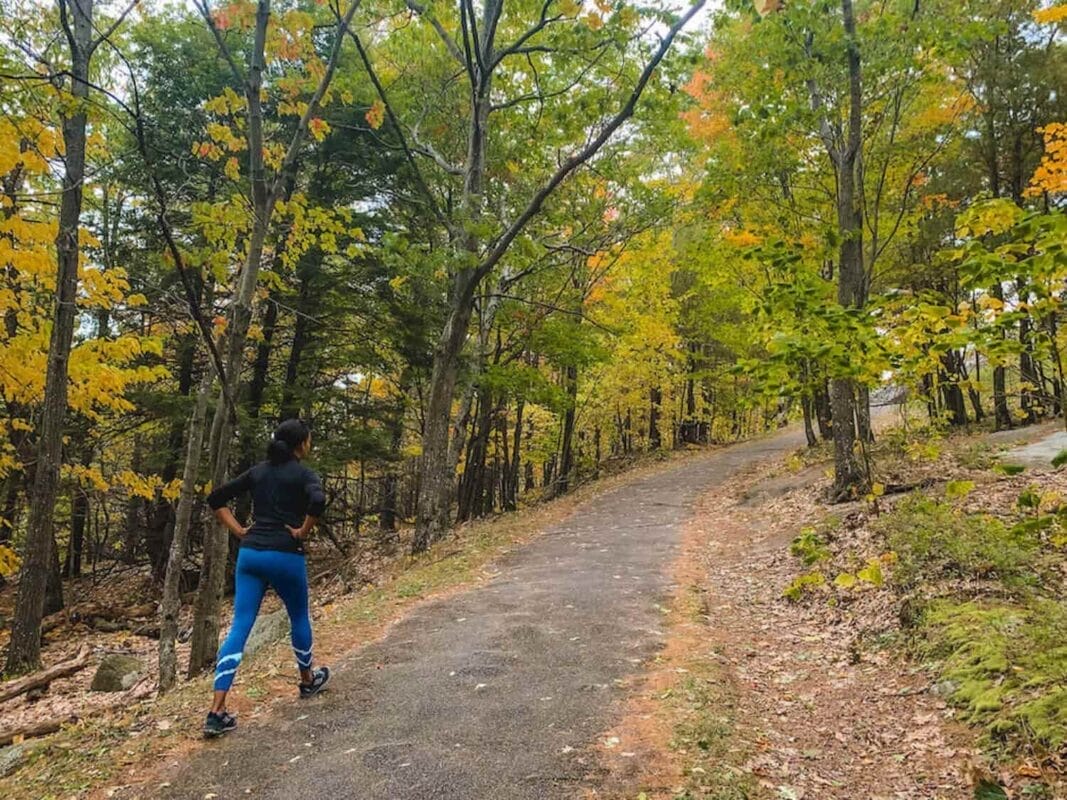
[(53, 593), (473, 483), (436, 475), (823, 415), (205, 637), (1028, 398), (79, 512), (511, 496), (809, 430), (849, 480), (863, 414), (24, 649), (171, 602), (388, 510), (655, 399), (566, 453), (1001, 412), (291, 394)]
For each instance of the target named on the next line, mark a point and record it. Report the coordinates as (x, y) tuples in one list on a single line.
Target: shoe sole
[(210, 733), (317, 689)]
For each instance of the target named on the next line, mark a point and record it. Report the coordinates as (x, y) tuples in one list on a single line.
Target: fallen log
[(45, 676), (101, 617), (34, 729), (113, 613)]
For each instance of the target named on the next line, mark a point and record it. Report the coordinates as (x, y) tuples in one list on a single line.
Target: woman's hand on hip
[(303, 530)]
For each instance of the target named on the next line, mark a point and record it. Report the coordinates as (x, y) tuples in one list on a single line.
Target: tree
[(264, 193), (82, 39), (477, 245)]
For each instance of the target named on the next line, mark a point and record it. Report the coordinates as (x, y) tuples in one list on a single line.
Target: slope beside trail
[(498, 692)]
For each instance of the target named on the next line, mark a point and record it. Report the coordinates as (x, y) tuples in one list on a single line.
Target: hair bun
[(287, 439), (279, 451)]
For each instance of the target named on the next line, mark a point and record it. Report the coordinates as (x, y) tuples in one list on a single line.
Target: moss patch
[(1004, 665)]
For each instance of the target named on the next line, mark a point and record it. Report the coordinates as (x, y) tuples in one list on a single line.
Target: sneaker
[(218, 724), (319, 678)]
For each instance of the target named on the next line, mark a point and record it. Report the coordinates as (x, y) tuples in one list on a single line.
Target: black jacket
[(282, 494)]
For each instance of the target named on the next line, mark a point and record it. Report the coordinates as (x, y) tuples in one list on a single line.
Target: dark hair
[(287, 437)]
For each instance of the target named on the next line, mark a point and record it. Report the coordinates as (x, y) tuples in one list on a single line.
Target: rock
[(116, 673), (268, 628), (945, 688), (11, 758)]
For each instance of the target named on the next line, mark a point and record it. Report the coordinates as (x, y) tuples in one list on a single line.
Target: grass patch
[(996, 631), (934, 540), (1006, 666), (706, 736), (704, 705), (810, 547)]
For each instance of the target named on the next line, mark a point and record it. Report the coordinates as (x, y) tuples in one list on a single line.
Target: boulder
[(11, 758), (116, 673), (268, 628)]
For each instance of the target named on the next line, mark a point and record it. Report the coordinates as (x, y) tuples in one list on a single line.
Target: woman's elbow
[(316, 505), (216, 501)]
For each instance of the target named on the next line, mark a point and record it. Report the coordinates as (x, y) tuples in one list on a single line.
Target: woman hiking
[(287, 500)]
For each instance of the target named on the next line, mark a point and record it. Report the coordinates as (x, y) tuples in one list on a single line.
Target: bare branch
[(224, 50), (106, 35), (450, 43), (592, 148)]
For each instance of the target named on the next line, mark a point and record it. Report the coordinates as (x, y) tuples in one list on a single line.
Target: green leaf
[(1010, 469), (1028, 498), (872, 573), (955, 490), (846, 580), (987, 790)]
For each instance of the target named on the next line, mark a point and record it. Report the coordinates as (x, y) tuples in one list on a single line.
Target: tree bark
[(823, 415), (79, 512), (809, 430), (655, 399), (511, 495), (566, 456), (171, 603), (849, 478), (436, 476)]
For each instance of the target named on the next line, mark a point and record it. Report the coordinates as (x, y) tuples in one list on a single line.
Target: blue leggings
[(256, 570)]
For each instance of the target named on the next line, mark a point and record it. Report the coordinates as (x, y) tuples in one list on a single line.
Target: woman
[(287, 500)]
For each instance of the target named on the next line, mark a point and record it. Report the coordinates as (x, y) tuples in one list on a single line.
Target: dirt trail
[(499, 692)]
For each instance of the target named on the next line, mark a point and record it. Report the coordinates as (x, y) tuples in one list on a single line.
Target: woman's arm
[(229, 521), (220, 496), (305, 529), (316, 500)]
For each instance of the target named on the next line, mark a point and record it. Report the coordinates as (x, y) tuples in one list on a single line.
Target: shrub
[(932, 539), (809, 547)]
